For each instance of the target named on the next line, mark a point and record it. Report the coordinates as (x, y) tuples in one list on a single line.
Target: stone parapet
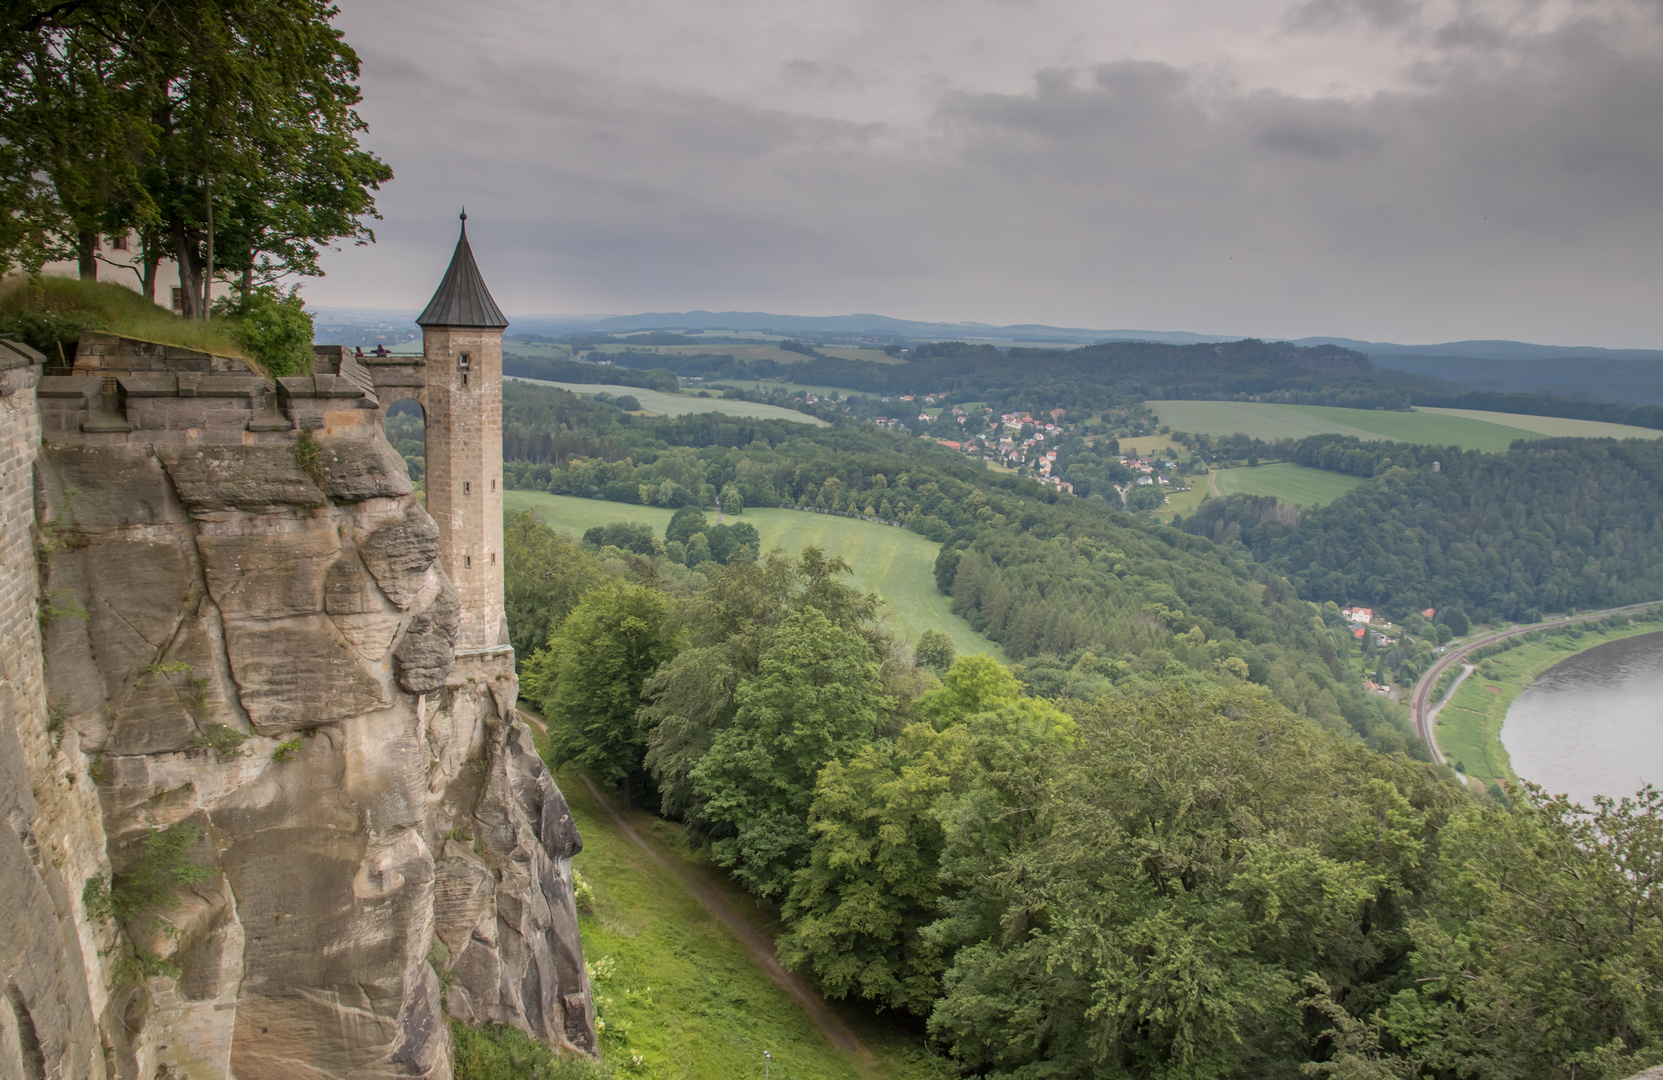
[(98, 353)]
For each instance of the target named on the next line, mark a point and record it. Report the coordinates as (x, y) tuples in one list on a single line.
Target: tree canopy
[(226, 134)]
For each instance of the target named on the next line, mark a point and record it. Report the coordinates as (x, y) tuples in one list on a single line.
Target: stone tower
[(462, 346)]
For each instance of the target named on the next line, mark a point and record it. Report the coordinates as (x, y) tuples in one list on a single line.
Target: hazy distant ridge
[(756, 321)]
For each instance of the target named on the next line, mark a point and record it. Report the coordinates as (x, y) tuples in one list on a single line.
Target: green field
[(679, 988), (1471, 430), (1555, 426), (1288, 482), (682, 404), (896, 564)]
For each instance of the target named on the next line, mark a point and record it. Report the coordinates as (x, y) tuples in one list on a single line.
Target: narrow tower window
[(466, 487), (467, 561), (463, 361)]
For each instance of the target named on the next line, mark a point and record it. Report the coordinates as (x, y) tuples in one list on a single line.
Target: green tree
[(934, 650), (225, 133), (816, 696), (698, 550), (588, 681), (1538, 953), (1158, 912), (1145, 497), (544, 576), (684, 523), (856, 912), (974, 684)]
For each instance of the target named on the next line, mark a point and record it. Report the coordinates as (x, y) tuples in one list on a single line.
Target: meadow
[(1555, 426), (896, 564), (654, 401), (1471, 430), (1288, 482), (681, 996)]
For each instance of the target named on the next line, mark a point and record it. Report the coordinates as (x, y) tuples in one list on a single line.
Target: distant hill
[(1632, 376)]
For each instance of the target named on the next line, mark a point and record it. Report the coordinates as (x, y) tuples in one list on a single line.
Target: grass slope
[(683, 993), (1470, 726), (1423, 427), (1256, 421), (896, 564), (682, 405), (1288, 482), (115, 309), (1467, 428)]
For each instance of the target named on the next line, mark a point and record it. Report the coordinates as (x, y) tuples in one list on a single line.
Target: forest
[(1182, 878), (1550, 526), (1178, 837)]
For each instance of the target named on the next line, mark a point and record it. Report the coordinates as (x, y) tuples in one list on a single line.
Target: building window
[(493, 483), (466, 487), (120, 243), (463, 361), (493, 558), (179, 300), (467, 561), (464, 378)]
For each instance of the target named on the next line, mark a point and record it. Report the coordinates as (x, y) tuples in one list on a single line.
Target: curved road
[(1419, 698)]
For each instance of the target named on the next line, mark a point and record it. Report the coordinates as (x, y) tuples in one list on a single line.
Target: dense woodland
[(1182, 878), (1550, 526)]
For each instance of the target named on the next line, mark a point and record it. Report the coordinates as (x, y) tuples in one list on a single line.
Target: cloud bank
[(1384, 169)]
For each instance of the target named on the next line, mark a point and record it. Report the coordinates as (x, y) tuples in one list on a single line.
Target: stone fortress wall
[(223, 607)]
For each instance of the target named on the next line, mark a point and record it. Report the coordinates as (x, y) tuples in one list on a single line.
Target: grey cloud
[(1513, 197), (1320, 16), (818, 71)]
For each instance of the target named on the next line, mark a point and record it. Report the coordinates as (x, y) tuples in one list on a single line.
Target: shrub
[(308, 455), (934, 650), (154, 878), (273, 327), (498, 1052)]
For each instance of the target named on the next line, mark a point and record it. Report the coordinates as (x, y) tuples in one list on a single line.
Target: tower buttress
[(462, 345)]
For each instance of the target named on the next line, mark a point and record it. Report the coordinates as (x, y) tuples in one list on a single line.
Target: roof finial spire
[(464, 219)]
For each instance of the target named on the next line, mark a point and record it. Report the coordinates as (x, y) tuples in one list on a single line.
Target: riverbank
[(1469, 723)]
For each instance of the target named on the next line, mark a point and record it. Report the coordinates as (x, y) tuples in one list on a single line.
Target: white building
[(118, 263)]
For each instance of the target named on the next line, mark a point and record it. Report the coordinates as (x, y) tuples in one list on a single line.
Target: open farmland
[(681, 404), (1491, 432), (896, 564), (1287, 482), (1556, 427)]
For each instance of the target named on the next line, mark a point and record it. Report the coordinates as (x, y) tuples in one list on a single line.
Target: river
[(1593, 723)]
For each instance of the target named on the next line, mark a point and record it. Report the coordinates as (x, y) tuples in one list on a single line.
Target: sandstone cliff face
[(267, 655)]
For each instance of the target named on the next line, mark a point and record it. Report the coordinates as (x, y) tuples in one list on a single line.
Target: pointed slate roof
[(462, 298)]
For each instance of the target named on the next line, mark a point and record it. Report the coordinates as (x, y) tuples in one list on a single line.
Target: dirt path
[(1212, 482), (761, 949)]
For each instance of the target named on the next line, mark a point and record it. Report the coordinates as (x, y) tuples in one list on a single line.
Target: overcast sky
[(1381, 169)]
